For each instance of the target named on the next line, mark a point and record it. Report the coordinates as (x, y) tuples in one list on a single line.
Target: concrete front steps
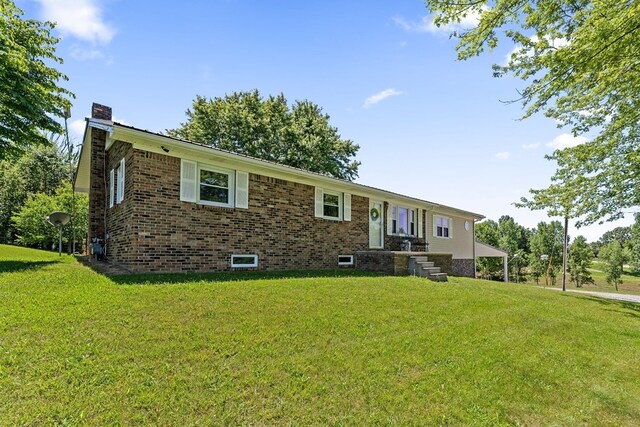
[(421, 266)]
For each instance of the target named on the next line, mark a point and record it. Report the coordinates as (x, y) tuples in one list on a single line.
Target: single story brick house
[(161, 204)]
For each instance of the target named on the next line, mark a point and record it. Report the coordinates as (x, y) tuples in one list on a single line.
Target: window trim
[(234, 256), (394, 216), (111, 188), (448, 228), (120, 181), (340, 205), (350, 262), (230, 186), (344, 204)]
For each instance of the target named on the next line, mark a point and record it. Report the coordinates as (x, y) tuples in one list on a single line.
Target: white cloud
[(82, 54), (76, 129), (79, 18), (380, 96), (427, 25), (566, 140), (503, 155), (533, 146)]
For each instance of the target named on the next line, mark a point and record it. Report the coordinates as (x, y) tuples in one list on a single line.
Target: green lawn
[(630, 281), (78, 348)]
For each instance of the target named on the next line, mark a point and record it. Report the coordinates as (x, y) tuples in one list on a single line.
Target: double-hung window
[(211, 185), (332, 205), (216, 186), (403, 221), (442, 226)]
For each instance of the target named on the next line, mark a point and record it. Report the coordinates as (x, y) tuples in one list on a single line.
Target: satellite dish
[(59, 219)]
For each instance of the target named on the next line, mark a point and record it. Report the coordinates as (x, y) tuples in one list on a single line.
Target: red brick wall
[(97, 185), (98, 180), (168, 235), (119, 217)]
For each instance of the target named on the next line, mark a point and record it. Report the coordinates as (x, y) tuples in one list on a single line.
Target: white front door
[(376, 220)]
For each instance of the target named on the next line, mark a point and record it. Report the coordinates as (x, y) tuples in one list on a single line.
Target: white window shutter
[(435, 227), (346, 215), (188, 178), (450, 228), (390, 221), (319, 203), (120, 182), (242, 190), (111, 179), (420, 231)]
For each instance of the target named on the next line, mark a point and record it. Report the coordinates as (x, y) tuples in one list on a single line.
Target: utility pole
[(67, 115), (565, 252)]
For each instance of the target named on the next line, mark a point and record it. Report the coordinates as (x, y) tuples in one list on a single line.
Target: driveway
[(607, 295)]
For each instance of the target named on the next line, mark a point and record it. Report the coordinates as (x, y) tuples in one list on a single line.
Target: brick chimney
[(98, 190), (99, 111)]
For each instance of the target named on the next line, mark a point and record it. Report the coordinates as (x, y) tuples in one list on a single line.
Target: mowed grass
[(78, 348), (630, 281)]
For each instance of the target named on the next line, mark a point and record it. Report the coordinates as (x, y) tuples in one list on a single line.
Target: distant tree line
[(33, 186), (536, 254)]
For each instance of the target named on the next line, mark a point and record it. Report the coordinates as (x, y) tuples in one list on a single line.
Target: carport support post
[(505, 262)]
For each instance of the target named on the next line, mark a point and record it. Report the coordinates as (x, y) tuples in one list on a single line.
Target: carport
[(487, 251)]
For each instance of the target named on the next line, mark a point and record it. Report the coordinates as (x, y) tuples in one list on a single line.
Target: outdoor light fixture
[(165, 149)]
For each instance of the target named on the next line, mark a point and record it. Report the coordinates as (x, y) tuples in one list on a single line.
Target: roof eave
[(131, 134)]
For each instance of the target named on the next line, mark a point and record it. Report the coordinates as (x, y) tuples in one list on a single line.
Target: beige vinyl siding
[(461, 242)]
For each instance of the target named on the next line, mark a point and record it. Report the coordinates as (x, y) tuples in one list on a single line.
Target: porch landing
[(402, 263)]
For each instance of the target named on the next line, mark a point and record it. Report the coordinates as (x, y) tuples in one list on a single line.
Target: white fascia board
[(152, 142), (449, 211), (106, 125), (81, 177)]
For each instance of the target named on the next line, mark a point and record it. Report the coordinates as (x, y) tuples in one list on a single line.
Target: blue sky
[(428, 126)]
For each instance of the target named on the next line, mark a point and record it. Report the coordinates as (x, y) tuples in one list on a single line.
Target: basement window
[(345, 259), (243, 261)]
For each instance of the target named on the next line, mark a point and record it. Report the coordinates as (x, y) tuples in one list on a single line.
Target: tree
[(615, 256), (618, 234), (489, 267), (546, 250), (269, 129), (580, 256), (595, 248), (578, 59), (30, 98), (507, 235), (513, 239), (40, 170), (30, 222), (558, 201), (635, 246)]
